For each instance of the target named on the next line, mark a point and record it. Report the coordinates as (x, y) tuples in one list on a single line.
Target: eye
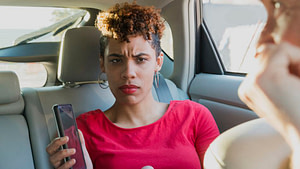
[(140, 59), (116, 60)]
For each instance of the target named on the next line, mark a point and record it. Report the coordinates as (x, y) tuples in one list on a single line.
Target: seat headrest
[(11, 101), (79, 55)]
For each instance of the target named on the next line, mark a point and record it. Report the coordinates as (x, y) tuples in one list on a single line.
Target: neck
[(136, 115)]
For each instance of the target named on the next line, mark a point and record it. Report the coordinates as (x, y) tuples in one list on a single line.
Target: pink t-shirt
[(176, 141)]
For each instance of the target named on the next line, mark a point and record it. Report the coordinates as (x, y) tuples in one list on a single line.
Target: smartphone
[(66, 126)]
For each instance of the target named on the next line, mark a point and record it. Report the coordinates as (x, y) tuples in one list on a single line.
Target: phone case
[(66, 125)]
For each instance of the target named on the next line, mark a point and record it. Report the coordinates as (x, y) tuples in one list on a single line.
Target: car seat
[(78, 70), (15, 147)]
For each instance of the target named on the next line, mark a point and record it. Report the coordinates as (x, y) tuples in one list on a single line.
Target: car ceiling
[(98, 4)]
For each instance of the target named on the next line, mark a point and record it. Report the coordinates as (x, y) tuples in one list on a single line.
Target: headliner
[(98, 4)]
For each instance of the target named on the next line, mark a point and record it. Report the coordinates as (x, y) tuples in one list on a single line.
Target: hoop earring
[(103, 84), (156, 79), (276, 3)]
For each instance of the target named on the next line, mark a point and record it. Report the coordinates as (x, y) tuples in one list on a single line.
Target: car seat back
[(15, 146), (78, 70)]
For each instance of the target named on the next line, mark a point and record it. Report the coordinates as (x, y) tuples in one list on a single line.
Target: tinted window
[(31, 24), (20, 25), (235, 26), (167, 41)]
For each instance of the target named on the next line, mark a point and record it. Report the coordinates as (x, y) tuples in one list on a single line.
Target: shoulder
[(89, 115), (187, 109), (89, 120), (188, 105), (199, 115), (193, 114)]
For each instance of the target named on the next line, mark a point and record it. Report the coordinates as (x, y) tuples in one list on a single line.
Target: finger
[(68, 164), (57, 159), (81, 137), (292, 50), (265, 51), (283, 61), (54, 146), (57, 164), (272, 60), (293, 56)]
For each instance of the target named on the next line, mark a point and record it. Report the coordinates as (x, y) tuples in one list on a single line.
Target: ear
[(159, 62), (101, 60)]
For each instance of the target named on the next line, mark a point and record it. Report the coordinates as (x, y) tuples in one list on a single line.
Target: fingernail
[(73, 161), (260, 49), (65, 138), (72, 150)]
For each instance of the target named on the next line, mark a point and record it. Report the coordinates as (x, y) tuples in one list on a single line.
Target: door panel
[(219, 94)]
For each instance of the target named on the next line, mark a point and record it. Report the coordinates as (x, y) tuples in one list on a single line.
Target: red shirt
[(176, 141)]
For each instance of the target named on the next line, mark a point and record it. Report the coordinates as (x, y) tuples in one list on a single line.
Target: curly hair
[(126, 19)]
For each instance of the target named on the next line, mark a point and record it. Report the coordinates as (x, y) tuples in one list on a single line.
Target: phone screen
[(66, 126)]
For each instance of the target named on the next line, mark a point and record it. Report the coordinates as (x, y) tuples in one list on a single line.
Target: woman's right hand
[(57, 155)]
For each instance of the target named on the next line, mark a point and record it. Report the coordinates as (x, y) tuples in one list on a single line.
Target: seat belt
[(162, 91)]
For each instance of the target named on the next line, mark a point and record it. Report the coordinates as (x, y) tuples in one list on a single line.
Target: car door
[(227, 38)]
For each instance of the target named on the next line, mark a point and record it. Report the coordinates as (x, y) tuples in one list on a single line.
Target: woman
[(138, 131), (272, 90)]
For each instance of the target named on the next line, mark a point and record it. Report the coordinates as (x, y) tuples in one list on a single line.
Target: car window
[(235, 26), (29, 74), (167, 41), (32, 24), (23, 25)]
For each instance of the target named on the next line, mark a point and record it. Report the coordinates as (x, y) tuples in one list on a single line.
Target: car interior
[(195, 71)]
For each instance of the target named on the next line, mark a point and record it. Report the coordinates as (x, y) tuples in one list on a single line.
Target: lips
[(128, 89)]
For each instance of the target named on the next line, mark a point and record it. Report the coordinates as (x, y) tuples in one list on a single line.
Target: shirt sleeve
[(206, 131)]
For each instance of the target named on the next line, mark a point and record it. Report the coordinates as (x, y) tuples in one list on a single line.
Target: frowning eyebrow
[(115, 55), (141, 54), (120, 55)]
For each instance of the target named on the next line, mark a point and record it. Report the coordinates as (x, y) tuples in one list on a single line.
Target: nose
[(129, 70)]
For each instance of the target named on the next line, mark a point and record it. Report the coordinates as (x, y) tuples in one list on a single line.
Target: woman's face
[(130, 69), (283, 22)]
